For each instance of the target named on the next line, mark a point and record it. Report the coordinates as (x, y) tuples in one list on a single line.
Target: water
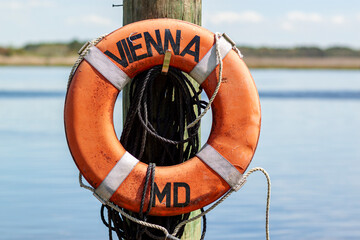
[(309, 145)]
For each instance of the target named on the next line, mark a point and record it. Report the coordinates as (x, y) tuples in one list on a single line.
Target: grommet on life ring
[(115, 174)]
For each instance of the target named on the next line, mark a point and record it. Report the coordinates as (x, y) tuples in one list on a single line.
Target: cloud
[(17, 5), (40, 3), (287, 26), (235, 17), (13, 5), (296, 20), (90, 20), (338, 19), (297, 16)]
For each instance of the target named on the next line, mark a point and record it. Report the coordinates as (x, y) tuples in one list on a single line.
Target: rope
[(152, 74), (179, 102), (204, 226), (178, 97), (218, 55), (147, 124), (203, 213), (149, 173), (243, 181), (82, 53), (131, 218)]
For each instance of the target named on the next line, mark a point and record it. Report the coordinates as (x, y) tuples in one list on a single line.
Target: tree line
[(44, 49), (71, 48), (336, 51)]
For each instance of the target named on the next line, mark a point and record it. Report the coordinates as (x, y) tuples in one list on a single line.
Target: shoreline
[(252, 62), (18, 60), (304, 62)]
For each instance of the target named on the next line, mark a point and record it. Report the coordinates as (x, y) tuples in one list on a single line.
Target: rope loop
[(131, 218), (243, 181), (203, 213), (219, 58)]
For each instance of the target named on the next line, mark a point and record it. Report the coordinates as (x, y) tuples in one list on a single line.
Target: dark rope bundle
[(155, 133)]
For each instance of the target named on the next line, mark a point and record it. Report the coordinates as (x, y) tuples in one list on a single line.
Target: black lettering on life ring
[(166, 192), (127, 50)]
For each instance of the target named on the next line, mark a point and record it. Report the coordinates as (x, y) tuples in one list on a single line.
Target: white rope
[(177, 228), (82, 53), (237, 51), (267, 197), (138, 221), (243, 181), (218, 55), (84, 50), (233, 44)]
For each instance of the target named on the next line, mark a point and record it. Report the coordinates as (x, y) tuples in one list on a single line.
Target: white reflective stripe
[(115, 177), (209, 62), (107, 68), (221, 166)]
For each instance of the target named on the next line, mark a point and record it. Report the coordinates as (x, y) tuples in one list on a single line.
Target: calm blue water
[(309, 144)]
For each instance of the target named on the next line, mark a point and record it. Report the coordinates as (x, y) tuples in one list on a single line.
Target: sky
[(277, 23)]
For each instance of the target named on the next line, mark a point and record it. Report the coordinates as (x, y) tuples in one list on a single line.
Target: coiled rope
[(147, 124), (139, 112)]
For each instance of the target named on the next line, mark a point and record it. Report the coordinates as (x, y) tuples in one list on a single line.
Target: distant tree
[(302, 51), (308, 52), (5, 51), (339, 51), (75, 45), (71, 48)]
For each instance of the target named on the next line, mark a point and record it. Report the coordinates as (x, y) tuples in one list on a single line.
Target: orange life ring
[(114, 173)]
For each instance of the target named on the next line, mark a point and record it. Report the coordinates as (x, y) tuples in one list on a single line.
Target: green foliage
[(342, 51), (75, 45), (10, 51), (45, 49), (53, 49), (5, 51), (308, 52)]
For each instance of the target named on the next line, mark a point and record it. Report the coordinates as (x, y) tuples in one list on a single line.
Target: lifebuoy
[(109, 168)]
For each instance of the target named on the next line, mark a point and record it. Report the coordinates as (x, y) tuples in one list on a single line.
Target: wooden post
[(187, 10), (137, 10)]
